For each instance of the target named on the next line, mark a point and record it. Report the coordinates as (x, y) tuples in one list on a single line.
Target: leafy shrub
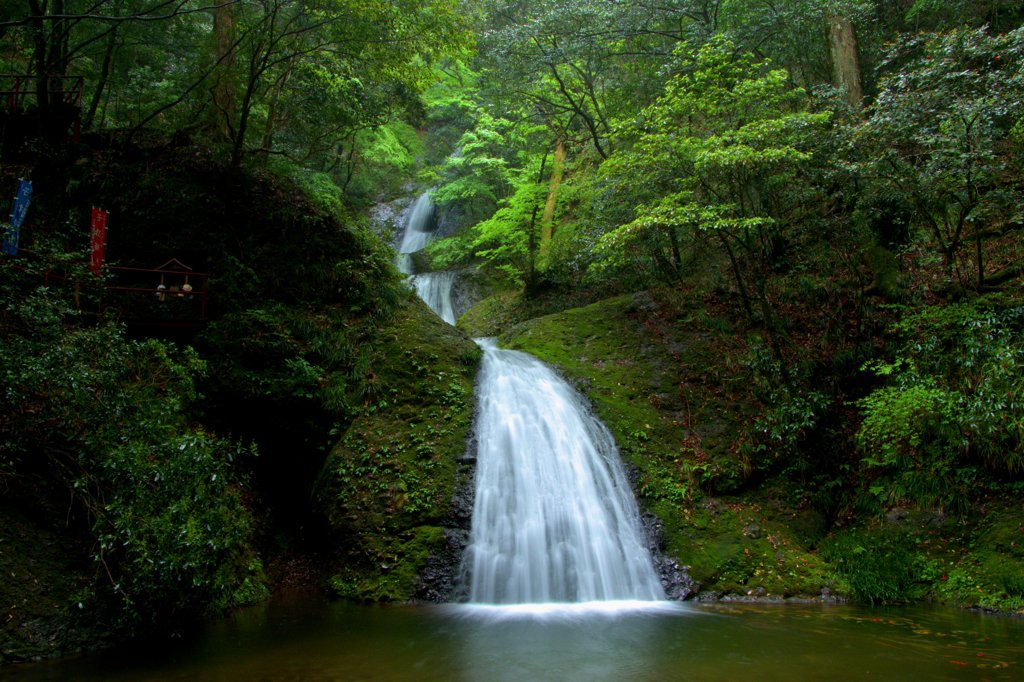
[(881, 567), (105, 416), (172, 530), (954, 395), (792, 411), (910, 433)]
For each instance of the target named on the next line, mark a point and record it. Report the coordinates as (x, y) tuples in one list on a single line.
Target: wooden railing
[(166, 289), (151, 297), (64, 98), (65, 90)]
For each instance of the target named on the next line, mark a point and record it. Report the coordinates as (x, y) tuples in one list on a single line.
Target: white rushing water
[(554, 519), (417, 231), (435, 288)]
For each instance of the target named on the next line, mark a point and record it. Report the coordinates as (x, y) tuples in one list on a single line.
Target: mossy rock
[(490, 316), (984, 567), (388, 485)]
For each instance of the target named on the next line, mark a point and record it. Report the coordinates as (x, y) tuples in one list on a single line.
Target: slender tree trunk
[(774, 331), (56, 60), (579, 108), (97, 96), (272, 110), (981, 257), (531, 246), (39, 11), (224, 95), (238, 145), (845, 61), (744, 296), (531, 235), (547, 230), (350, 163), (677, 253)]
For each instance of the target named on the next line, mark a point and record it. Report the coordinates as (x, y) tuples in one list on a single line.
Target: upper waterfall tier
[(418, 231)]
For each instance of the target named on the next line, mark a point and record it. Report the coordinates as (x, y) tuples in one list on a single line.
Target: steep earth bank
[(670, 377)]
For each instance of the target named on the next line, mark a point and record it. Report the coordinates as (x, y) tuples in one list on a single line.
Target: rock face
[(443, 579), (388, 218), (675, 580)]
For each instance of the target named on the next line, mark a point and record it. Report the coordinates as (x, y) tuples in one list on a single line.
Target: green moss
[(490, 316), (395, 575), (605, 351), (668, 382), (388, 484), (253, 588), (988, 571)]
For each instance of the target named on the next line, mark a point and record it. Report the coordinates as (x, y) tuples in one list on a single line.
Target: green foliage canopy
[(718, 153), (935, 136)]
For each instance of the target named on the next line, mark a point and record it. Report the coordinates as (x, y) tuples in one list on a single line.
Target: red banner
[(98, 242)]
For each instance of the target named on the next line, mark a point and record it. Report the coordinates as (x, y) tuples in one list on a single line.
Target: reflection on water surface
[(310, 639)]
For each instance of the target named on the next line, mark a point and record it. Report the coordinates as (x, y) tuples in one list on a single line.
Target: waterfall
[(418, 231), (435, 288), (554, 519)]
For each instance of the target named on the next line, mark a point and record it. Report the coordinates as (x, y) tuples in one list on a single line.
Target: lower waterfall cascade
[(554, 519), (435, 288)]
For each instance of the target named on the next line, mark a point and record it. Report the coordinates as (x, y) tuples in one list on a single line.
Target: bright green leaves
[(715, 151), (507, 240), (954, 396), (494, 184), (482, 171), (394, 147), (898, 421)]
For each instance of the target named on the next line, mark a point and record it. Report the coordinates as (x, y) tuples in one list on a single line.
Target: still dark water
[(308, 639)]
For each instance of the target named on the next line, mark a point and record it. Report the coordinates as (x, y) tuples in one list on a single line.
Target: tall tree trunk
[(238, 144), (224, 95), (272, 110), (97, 96), (547, 228), (744, 296), (39, 42), (845, 61)]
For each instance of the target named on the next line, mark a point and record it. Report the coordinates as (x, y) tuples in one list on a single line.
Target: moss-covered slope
[(388, 486), (672, 381), (674, 396)]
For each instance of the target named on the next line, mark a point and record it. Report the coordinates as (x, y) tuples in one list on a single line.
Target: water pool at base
[(309, 639)]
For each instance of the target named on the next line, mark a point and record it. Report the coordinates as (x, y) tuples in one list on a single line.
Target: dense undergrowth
[(182, 471)]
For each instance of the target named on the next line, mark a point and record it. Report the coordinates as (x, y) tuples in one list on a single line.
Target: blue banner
[(21, 201)]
